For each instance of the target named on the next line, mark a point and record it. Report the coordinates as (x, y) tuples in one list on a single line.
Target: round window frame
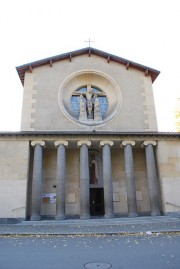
[(64, 96)]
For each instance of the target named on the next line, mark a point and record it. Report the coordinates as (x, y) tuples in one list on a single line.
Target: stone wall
[(47, 91), (14, 163), (119, 182), (168, 158), (48, 208)]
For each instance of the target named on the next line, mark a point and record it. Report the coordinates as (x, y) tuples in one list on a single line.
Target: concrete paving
[(138, 225), (90, 252)]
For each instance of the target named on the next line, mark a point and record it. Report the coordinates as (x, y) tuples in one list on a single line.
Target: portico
[(119, 185)]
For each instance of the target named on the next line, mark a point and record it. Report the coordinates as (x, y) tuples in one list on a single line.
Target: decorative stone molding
[(61, 142), (108, 142), (86, 142), (150, 120), (85, 77), (29, 103), (127, 142), (36, 142), (149, 142)]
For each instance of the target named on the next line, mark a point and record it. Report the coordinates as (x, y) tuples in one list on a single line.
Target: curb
[(153, 233)]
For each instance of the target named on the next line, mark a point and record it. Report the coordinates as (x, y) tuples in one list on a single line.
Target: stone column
[(84, 179), (61, 179), (130, 178), (107, 179), (152, 177), (37, 180)]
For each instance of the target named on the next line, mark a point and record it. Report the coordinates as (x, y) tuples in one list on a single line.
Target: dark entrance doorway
[(96, 201)]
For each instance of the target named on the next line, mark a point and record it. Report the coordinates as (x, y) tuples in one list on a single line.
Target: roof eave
[(92, 133), (89, 50)]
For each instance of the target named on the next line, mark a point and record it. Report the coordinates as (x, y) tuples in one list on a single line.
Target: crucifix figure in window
[(90, 107), (89, 99)]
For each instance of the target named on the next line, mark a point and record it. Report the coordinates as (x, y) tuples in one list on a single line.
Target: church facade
[(89, 144)]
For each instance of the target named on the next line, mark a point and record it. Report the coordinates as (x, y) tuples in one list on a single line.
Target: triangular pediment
[(89, 51)]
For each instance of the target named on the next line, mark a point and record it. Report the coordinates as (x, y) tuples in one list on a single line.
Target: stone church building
[(89, 144)]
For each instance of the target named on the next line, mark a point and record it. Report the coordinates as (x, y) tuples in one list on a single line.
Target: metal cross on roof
[(89, 41)]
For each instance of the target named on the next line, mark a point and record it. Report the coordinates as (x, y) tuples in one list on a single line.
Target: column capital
[(106, 142), (61, 142), (37, 142), (127, 142), (86, 142), (149, 142)]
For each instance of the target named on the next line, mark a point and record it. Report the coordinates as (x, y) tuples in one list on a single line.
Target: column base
[(84, 217), (155, 213), (35, 218), (132, 215), (109, 216), (60, 217)]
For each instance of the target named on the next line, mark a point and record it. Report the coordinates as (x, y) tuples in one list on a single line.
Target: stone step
[(99, 222)]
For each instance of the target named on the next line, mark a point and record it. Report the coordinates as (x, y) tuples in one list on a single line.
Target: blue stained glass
[(84, 89), (75, 104), (103, 104)]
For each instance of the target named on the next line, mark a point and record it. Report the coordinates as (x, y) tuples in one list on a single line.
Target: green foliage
[(177, 115)]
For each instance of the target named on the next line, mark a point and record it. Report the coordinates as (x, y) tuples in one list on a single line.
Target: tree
[(177, 115)]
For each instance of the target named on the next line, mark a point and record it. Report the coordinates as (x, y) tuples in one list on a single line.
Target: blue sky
[(143, 31)]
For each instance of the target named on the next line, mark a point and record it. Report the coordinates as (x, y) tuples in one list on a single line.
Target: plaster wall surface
[(48, 181), (72, 182), (142, 192), (130, 90), (119, 181), (14, 160), (168, 158)]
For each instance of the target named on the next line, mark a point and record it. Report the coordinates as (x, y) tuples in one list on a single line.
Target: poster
[(49, 198)]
